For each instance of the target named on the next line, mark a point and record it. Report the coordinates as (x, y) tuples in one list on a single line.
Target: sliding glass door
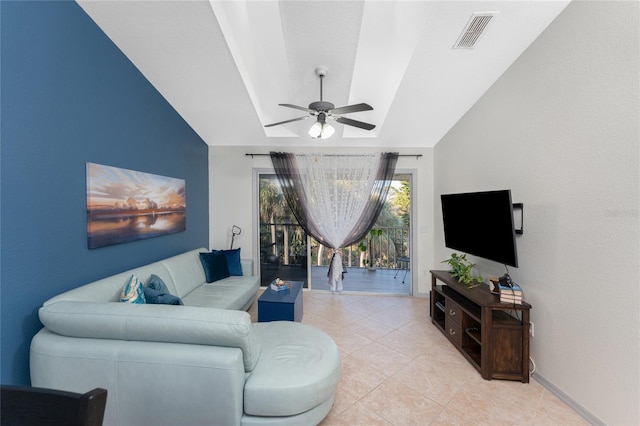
[(380, 263)]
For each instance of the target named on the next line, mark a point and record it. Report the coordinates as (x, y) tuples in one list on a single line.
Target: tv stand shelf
[(493, 336)]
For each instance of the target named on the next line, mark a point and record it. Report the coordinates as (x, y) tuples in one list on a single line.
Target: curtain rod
[(331, 155)]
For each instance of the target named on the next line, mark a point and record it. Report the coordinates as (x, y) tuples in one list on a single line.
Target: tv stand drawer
[(453, 311), (452, 330)]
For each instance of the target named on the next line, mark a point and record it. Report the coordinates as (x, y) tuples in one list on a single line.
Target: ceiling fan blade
[(355, 123), (351, 108), (310, 111), (287, 121)]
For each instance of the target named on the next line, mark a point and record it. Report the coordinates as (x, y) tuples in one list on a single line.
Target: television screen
[(481, 224)]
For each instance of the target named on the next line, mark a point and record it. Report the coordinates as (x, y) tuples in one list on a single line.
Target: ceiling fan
[(323, 110)]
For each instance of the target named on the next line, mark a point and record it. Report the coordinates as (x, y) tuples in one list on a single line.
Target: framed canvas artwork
[(126, 205)]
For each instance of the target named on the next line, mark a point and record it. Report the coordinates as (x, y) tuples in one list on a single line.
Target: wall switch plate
[(531, 329)]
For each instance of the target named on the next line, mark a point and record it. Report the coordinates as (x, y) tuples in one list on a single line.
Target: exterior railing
[(286, 243)]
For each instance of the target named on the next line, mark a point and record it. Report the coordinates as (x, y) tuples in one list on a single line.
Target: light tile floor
[(398, 369)]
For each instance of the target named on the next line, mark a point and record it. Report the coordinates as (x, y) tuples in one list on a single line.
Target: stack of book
[(512, 295), (495, 285)]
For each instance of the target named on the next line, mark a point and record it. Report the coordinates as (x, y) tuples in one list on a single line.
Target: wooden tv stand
[(492, 336)]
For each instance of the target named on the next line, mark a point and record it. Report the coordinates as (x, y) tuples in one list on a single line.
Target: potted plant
[(461, 269)]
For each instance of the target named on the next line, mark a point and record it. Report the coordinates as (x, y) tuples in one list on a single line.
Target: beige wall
[(232, 200), (560, 128)]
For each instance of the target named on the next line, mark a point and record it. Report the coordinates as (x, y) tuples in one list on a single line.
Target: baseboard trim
[(568, 400)]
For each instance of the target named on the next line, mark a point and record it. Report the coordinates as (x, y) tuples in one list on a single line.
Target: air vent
[(473, 30)]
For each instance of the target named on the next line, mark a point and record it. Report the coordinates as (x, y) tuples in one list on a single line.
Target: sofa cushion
[(133, 291), (186, 272), (230, 293), (214, 265), (299, 369)]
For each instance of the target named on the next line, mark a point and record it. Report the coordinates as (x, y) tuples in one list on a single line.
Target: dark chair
[(269, 264), (400, 260), (406, 260), (24, 405)]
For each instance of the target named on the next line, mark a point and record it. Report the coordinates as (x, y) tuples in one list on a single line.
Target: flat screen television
[(481, 224)]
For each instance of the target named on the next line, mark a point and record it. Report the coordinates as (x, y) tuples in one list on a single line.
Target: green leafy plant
[(461, 269), (375, 232), (363, 248)]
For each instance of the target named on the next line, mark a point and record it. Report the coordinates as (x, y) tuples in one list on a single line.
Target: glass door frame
[(411, 175), (256, 176)]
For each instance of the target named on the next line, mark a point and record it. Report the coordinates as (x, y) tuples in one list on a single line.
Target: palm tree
[(378, 237), (272, 206), (402, 201)]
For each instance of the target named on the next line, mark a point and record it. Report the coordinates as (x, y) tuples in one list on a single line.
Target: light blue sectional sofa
[(204, 363)]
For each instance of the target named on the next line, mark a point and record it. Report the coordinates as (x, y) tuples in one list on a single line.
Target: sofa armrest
[(247, 266), (149, 383), (154, 323)]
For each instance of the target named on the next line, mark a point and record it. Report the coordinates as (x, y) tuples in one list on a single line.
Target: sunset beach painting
[(125, 205)]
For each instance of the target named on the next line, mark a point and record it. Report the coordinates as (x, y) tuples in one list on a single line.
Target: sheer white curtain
[(336, 198)]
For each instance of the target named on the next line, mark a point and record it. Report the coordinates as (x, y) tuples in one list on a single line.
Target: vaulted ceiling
[(226, 65)]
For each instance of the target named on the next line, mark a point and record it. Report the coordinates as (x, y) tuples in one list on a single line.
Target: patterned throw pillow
[(133, 291)]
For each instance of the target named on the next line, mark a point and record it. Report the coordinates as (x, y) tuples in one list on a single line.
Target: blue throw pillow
[(161, 298), (233, 261), (214, 265), (156, 292), (133, 291), (156, 283)]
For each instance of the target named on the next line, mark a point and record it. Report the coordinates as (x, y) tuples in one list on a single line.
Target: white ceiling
[(226, 65)]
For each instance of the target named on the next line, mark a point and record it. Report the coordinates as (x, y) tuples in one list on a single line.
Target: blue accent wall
[(70, 96)]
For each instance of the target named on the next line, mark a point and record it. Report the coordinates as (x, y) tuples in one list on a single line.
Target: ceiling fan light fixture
[(327, 131), (316, 130), (321, 130)]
